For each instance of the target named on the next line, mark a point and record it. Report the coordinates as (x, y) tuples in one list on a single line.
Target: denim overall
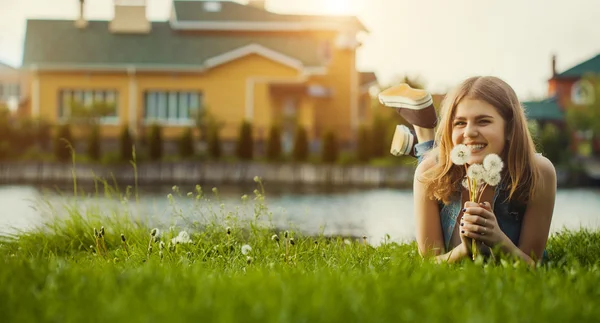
[(509, 214)]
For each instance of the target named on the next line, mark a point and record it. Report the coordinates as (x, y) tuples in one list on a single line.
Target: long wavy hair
[(520, 173)]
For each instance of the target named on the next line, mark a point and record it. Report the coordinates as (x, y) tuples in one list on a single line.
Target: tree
[(62, 140), (155, 142), (94, 148), (245, 144), (186, 143), (274, 143), (125, 145), (363, 151), (330, 150), (214, 142), (300, 149)]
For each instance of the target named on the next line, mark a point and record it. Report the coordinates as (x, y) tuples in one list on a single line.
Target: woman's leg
[(416, 107)]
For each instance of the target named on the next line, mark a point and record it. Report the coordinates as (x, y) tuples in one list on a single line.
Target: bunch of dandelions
[(478, 176)]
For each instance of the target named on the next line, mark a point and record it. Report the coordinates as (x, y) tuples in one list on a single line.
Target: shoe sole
[(402, 142), (403, 96)]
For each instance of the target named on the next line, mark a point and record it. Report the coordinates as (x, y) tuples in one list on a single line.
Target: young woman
[(483, 113)]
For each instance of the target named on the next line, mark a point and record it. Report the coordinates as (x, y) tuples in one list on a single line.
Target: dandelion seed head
[(246, 249), (256, 179), (492, 178), (215, 190), (460, 154), (182, 237), (475, 172), (162, 245), (228, 230), (275, 237), (346, 241), (190, 194), (292, 242), (248, 260), (154, 232), (493, 163), (95, 232), (285, 234)]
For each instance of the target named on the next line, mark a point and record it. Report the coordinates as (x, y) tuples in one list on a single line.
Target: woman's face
[(478, 125)]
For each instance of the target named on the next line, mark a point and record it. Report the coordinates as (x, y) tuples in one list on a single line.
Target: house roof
[(59, 43), (546, 109), (194, 11), (592, 65)]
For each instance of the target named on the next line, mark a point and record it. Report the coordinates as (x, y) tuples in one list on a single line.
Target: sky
[(440, 41)]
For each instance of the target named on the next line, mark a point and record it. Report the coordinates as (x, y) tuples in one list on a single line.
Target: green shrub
[(300, 149), (363, 145), (554, 144), (62, 139), (155, 143), (94, 145), (214, 142), (186, 143), (379, 137), (125, 145), (245, 144), (330, 149), (274, 144)]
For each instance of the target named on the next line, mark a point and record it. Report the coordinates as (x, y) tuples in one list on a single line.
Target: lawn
[(238, 268)]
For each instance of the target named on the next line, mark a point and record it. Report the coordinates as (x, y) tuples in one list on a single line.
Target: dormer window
[(582, 93), (212, 6)]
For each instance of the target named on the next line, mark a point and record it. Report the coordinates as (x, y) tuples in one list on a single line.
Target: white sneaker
[(403, 142)]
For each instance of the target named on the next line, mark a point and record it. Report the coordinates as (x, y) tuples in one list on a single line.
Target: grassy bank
[(62, 272)]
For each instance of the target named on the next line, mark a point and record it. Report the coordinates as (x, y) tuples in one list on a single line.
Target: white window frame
[(173, 108), (85, 95), (576, 91)]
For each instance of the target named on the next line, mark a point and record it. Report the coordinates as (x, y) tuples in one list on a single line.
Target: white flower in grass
[(246, 249), (492, 178), (183, 237), (460, 154), (493, 163), (475, 172)]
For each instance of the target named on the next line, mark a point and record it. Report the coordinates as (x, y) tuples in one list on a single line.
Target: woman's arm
[(427, 220), (536, 221), (480, 223)]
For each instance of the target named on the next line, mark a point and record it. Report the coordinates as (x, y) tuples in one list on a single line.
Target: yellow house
[(240, 62)]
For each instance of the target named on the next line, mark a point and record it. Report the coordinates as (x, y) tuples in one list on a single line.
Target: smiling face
[(478, 125)]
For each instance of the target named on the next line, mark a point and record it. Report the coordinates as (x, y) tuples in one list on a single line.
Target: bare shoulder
[(428, 162), (546, 170)]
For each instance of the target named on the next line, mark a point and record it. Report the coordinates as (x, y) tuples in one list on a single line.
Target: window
[(582, 92), (171, 107), (9, 90), (103, 103)]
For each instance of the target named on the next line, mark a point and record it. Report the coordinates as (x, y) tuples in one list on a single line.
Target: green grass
[(56, 273)]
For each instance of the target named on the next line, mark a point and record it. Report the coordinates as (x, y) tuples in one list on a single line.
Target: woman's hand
[(479, 223)]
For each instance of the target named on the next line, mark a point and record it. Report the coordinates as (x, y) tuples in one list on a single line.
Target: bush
[(379, 137), (94, 148), (300, 149), (62, 152), (186, 143), (274, 144), (554, 144), (363, 149), (214, 142), (245, 146), (330, 150), (155, 143), (125, 145)]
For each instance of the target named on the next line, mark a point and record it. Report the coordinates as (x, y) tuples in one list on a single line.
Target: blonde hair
[(521, 173)]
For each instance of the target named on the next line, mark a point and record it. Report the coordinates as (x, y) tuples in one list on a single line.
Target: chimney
[(130, 17), (553, 65), (81, 22), (260, 4)]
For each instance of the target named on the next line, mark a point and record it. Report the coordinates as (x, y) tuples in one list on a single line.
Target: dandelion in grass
[(182, 237), (249, 260), (246, 249), (190, 194), (256, 179), (124, 243)]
